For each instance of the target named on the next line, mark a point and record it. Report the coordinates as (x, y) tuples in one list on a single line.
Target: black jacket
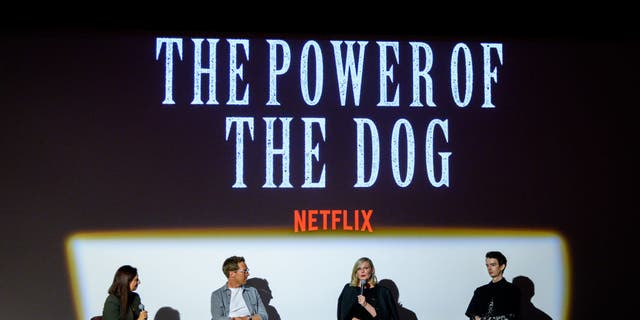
[(379, 297), (495, 299)]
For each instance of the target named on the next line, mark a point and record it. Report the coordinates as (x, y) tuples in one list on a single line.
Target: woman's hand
[(143, 315), (362, 301)]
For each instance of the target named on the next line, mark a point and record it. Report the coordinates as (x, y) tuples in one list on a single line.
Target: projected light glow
[(435, 271)]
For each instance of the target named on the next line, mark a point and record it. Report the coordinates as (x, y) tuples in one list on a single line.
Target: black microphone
[(362, 283)]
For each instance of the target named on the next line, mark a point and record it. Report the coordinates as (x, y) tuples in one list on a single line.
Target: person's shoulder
[(347, 286), (508, 283), (111, 305), (219, 289), (483, 287), (252, 289), (111, 299)]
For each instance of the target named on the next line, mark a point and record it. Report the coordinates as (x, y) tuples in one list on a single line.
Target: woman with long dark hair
[(123, 303)]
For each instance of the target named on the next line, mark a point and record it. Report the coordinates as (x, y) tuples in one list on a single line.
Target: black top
[(499, 300), (111, 308), (379, 297)]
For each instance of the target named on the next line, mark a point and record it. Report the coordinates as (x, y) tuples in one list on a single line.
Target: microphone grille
[(141, 307)]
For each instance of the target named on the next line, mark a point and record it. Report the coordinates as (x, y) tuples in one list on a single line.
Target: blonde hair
[(355, 281)]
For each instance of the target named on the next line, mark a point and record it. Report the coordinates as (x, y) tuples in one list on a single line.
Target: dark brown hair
[(120, 286), (231, 264)]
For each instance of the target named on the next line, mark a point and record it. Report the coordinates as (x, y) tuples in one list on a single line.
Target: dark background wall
[(86, 145)]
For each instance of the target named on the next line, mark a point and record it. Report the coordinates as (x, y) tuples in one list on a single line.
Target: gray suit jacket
[(221, 298)]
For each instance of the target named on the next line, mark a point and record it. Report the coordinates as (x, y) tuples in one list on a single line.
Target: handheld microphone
[(141, 308), (362, 283)]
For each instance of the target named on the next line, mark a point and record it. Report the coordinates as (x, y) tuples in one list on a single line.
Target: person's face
[(133, 285), (493, 267), (241, 275), (364, 271)]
